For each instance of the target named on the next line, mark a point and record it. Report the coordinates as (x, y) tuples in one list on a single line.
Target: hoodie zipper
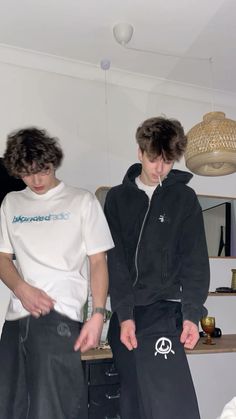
[(137, 247)]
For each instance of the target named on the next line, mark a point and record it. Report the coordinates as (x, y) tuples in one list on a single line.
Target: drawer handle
[(110, 373), (112, 396)]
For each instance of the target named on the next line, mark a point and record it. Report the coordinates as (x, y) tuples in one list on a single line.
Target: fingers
[(183, 336), (128, 338), (42, 308), (45, 304), (83, 344), (191, 342), (88, 338), (129, 341), (133, 341), (35, 314), (190, 334), (127, 334)]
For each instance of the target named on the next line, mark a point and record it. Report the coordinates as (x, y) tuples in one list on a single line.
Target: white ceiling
[(82, 30)]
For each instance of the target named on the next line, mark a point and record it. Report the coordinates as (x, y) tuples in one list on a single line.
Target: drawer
[(106, 395), (103, 373), (104, 402)]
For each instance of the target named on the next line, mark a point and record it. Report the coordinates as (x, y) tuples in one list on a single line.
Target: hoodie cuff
[(125, 313), (194, 315)]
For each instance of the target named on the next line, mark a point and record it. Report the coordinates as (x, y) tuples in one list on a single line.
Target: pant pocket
[(58, 389)]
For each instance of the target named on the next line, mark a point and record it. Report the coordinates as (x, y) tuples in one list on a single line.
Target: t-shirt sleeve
[(5, 244), (97, 236)]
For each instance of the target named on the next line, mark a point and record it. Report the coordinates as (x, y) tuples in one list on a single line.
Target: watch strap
[(100, 310)]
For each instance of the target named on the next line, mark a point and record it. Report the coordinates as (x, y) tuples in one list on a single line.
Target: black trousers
[(155, 378), (41, 377)]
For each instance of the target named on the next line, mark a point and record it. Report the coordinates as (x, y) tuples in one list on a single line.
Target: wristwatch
[(100, 310)]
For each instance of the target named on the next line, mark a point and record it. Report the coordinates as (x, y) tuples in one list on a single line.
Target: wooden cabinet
[(103, 389)]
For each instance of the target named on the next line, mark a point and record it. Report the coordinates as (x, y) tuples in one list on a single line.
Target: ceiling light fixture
[(123, 33), (211, 147)]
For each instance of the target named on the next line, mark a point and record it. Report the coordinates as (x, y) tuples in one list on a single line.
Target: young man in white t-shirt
[(57, 235)]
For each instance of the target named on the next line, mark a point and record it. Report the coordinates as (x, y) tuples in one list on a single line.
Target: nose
[(36, 179), (159, 166)]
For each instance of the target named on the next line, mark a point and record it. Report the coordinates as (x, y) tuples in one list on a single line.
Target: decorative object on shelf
[(217, 333), (211, 148), (225, 290), (233, 281), (208, 326)]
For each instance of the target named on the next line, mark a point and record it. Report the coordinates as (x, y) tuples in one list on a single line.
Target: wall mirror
[(219, 215)]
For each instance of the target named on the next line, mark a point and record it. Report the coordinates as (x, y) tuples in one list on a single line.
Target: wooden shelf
[(226, 343), (94, 354)]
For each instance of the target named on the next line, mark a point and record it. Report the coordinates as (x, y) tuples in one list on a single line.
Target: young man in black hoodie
[(159, 277)]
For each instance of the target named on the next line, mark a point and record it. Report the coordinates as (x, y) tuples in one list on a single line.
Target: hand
[(190, 334), (90, 334), (127, 334), (34, 300)]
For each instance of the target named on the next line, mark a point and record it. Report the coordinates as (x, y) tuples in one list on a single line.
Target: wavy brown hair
[(164, 137), (31, 150)]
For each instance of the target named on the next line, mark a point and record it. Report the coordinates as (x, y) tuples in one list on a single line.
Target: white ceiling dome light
[(123, 33)]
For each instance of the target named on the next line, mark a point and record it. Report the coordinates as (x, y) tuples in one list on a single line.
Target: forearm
[(98, 279), (9, 274), (91, 332)]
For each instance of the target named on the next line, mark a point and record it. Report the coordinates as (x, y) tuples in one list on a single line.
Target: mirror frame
[(230, 236)]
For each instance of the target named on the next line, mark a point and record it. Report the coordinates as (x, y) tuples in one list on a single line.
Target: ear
[(140, 155)]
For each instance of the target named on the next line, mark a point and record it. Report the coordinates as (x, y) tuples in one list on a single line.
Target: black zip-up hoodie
[(160, 247)]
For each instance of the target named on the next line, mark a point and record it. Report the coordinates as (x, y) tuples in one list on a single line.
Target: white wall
[(214, 375), (97, 135)]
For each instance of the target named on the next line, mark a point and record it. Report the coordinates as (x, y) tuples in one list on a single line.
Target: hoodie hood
[(175, 176)]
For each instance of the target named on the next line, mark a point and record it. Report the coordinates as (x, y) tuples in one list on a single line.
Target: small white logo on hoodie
[(163, 218)]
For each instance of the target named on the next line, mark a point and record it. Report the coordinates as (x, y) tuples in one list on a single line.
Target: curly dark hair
[(31, 150), (164, 137)]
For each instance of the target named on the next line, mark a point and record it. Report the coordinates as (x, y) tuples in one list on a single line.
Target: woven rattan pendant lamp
[(211, 148)]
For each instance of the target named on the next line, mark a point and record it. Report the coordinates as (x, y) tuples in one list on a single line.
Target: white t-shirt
[(146, 188), (51, 236), (229, 411)]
